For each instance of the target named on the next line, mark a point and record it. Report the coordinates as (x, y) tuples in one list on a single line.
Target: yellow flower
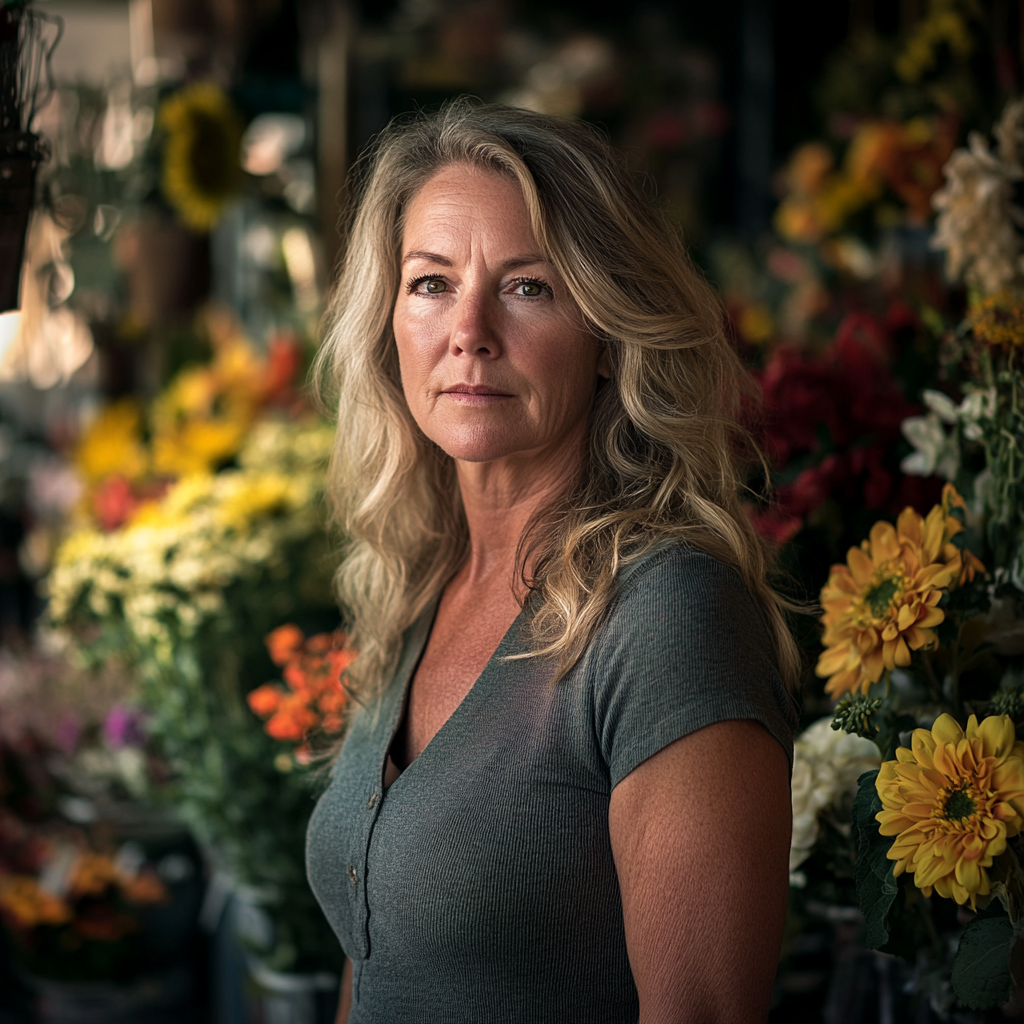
[(198, 446), (254, 497), (952, 801), (883, 603), (200, 163), (112, 444), (998, 321), (943, 24)]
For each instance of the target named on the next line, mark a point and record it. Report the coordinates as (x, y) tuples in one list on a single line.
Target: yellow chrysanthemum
[(952, 801), (883, 603), (200, 164)]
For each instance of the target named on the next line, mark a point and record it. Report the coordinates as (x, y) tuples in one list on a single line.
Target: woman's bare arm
[(700, 833), (345, 996)]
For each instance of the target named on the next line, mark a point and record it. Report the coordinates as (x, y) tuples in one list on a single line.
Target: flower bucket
[(281, 998), (162, 998)]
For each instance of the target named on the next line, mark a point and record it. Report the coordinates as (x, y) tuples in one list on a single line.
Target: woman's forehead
[(461, 202)]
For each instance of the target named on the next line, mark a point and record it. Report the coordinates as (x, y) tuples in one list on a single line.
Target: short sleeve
[(684, 646)]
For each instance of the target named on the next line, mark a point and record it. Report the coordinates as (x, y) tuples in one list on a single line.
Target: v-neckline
[(430, 614)]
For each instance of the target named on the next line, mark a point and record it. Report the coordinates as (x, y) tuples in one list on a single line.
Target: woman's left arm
[(700, 833)]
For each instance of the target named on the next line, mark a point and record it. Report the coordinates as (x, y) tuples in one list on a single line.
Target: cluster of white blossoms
[(166, 571), (826, 765), (936, 448), (978, 221)]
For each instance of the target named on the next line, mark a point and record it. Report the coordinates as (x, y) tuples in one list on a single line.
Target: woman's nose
[(474, 326)]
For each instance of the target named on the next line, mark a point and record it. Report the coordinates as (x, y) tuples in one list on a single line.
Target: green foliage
[(1007, 702), (853, 715), (981, 969), (876, 887), (875, 719)]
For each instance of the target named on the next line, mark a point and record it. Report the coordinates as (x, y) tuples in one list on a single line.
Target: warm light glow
[(10, 325)]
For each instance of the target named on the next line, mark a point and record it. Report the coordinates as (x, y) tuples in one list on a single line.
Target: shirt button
[(352, 874), (373, 800)]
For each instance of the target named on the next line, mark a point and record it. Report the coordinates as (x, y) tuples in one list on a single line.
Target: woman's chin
[(479, 445)]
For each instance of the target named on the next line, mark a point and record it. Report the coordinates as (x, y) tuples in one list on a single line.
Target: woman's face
[(494, 359)]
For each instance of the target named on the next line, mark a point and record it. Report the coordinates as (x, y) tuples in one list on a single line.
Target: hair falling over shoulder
[(664, 458)]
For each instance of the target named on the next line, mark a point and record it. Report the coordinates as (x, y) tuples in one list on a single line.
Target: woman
[(564, 795)]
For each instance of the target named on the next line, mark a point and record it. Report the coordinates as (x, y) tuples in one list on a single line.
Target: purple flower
[(123, 727)]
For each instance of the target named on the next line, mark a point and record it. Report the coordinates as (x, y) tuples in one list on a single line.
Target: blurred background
[(173, 176)]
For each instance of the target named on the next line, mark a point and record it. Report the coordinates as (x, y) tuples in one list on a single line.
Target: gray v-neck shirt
[(480, 887)]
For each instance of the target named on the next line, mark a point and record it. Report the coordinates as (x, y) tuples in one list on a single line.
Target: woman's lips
[(475, 394)]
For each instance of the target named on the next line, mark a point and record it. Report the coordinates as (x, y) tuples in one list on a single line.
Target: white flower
[(936, 451), (826, 765), (977, 222)]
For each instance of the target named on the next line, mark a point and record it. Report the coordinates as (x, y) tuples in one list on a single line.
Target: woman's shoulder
[(684, 577), (684, 645)]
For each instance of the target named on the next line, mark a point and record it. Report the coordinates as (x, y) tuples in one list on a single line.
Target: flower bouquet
[(220, 535), (924, 632)]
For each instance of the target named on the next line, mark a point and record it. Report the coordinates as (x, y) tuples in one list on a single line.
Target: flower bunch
[(313, 697), (978, 219), (88, 895), (826, 765), (830, 423), (905, 159), (127, 457), (166, 572), (884, 602)]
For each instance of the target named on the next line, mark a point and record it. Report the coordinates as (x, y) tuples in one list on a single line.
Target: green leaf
[(981, 969), (876, 887)]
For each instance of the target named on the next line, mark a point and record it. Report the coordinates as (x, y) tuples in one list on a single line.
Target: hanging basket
[(20, 156)]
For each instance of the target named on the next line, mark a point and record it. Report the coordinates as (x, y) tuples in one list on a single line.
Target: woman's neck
[(499, 499)]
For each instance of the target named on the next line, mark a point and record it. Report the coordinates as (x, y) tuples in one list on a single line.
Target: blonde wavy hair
[(664, 445)]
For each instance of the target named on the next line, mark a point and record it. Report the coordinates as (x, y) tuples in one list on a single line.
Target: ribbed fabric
[(480, 887)]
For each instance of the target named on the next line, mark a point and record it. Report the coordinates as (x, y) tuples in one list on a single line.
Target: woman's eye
[(435, 286), (530, 289)]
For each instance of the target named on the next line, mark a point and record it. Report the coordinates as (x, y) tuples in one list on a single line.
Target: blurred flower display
[(219, 534)]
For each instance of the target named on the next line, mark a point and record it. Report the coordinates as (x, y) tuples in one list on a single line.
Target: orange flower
[(92, 875), (145, 887), (313, 697), (283, 643), (265, 699), (26, 904)]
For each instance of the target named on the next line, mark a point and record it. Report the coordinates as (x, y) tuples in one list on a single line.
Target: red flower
[(113, 502), (839, 414)]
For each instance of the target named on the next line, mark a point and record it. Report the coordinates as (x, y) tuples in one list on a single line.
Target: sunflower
[(201, 170), (883, 603), (952, 801)]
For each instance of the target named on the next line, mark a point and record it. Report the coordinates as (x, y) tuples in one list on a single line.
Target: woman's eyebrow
[(525, 260)]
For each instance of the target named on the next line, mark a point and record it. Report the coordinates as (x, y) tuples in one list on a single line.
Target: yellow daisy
[(952, 801), (883, 603)]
